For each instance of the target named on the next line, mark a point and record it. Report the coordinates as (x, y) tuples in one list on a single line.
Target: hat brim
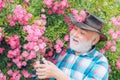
[(87, 27)]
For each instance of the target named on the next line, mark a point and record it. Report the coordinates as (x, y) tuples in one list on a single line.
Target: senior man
[(82, 61)]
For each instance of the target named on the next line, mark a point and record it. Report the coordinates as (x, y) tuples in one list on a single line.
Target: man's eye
[(75, 28), (83, 33)]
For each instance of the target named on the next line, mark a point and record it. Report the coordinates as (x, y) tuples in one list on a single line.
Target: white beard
[(82, 47)]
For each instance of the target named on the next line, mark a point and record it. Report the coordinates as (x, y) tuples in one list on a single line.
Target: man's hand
[(49, 70)]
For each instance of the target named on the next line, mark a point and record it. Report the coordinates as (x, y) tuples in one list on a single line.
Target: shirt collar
[(89, 53)]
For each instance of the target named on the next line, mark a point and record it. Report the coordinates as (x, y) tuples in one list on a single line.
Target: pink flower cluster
[(2, 77), (80, 17), (1, 34), (58, 46), (27, 1), (110, 45), (63, 51), (1, 50), (71, 26), (15, 53), (57, 7), (116, 21), (114, 34), (109, 68), (2, 4), (1, 37), (66, 37), (51, 51), (67, 21), (14, 42), (35, 38), (15, 75), (66, 18), (26, 74), (118, 64), (102, 51), (28, 55), (20, 15)]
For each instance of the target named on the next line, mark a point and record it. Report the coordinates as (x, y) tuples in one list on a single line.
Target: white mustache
[(82, 45), (74, 39)]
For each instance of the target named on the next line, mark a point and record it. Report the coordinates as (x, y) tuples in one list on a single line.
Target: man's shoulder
[(101, 57)]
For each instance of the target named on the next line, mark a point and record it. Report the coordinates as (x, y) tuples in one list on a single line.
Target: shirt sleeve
[(99, 71)]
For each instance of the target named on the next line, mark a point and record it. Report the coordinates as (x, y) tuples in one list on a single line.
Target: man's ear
[(96, 40)]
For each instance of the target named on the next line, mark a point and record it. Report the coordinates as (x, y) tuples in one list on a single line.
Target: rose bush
[(31, 26)]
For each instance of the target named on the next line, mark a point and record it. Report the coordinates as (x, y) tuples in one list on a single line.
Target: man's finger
[(39, 66), (40, 70), (49, 63), (41, 73), (36, 66), (42, 77), (42, 66)]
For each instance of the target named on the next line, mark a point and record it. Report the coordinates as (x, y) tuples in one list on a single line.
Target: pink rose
[(102, 51), (63, 52), (42, 45), (50, 12), (36, 48), (66, 37), (19, 64), (12, 23), (73, 11), (25, 54), (118, 64), (60, 43), (115, 36), (2, 4), (111, 31), (26, 1), (1, 50), (67, 19), (43, 16), (63, 4), (50, 53), (25, 73), (58, 50), (2, 77), (32, 55), (118, 32), (9, 64), (10, 54), (10, 72), (71, 26), (24, 63), (42, 10), (113, 48), (113, 19)]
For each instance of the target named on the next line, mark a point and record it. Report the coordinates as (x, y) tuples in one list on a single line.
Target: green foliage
[(56, 27)]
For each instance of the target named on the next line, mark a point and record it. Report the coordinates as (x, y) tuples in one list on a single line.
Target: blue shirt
[(87, 66)]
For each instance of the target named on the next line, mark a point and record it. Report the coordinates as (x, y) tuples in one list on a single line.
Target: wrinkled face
[(81, 40)]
